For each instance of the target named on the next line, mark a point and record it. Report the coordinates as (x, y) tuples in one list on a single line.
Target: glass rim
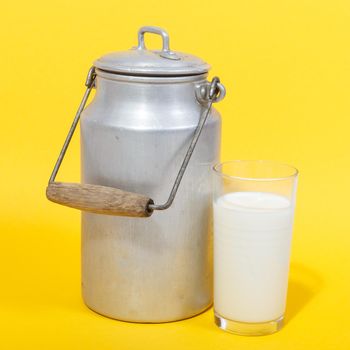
[(216, 170)]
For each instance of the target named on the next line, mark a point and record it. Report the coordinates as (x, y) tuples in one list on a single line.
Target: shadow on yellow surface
[(304, 284)]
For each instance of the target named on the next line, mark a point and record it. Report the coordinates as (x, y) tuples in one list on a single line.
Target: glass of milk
[(253, 218)]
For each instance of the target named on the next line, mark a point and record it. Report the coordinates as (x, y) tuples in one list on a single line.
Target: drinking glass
[(253, 217)]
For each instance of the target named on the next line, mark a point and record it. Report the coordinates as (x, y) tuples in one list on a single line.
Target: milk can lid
[(140, 61)]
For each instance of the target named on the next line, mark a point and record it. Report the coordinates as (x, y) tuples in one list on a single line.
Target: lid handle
[(166, 52)]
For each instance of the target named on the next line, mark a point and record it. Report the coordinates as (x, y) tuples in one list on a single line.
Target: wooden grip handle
[(99, 199)]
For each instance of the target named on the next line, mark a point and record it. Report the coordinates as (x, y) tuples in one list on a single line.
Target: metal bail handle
[(112, 201)]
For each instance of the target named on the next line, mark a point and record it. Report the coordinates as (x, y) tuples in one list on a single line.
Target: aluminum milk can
[(139, 135)]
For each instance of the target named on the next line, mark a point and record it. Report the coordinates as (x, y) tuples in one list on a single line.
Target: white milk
[(252, 234)]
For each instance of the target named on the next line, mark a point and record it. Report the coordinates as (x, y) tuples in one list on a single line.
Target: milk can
[(146, 183)]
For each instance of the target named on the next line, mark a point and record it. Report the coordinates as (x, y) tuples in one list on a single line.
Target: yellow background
[(286, 67)]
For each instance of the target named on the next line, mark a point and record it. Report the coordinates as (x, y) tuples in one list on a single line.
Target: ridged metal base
[(147, 321), (249, 329)]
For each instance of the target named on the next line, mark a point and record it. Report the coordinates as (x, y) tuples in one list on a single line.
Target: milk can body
[(149, 139), (134, 136)]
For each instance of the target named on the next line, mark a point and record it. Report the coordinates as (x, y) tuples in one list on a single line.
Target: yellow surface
[(286, 66)]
